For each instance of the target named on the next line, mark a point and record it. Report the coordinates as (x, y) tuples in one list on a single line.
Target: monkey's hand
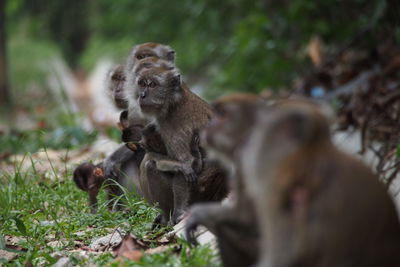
[(189, 173), (132, 134), (190, 229)]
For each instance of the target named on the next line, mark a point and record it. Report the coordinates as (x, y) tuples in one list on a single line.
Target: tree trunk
[(5, 99)]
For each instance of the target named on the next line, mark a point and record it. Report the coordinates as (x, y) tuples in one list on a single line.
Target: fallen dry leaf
[(134, 255), (129, 243)]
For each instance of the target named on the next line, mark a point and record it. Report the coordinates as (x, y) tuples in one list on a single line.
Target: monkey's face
[(117, 88), (157, 89), (226, 130), (229, 127)]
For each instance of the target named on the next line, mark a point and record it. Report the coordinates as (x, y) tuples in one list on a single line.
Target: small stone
[(63, 262), (7, 255), (110, 240)]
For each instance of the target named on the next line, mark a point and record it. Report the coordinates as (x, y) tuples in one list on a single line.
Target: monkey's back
[(178, 128), (351, 220)]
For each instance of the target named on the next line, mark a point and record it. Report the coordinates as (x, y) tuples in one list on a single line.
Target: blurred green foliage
[(223, 45), (60, 138)]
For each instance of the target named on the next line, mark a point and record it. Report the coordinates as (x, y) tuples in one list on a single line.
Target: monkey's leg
[(113, 194), (93, 199), (237, 237), (166, 164), (207, 214), (160, 191), (182, 192)]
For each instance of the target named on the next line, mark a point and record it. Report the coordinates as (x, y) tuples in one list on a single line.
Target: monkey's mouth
[(146, 107), (149, 107)]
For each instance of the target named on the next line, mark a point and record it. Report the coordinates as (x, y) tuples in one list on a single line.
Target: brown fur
[(316, 205), (119, 169), (178, 115), (116, 86), (234, 225)]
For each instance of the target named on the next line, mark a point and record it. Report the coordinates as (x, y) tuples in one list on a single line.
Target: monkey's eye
[(142, 83), (140, 56), (152, 84)]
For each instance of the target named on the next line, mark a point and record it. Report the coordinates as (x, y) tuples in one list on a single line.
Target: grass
[(36, 209)]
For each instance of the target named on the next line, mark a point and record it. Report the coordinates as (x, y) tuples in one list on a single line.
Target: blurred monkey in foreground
[(235, 224), (316, 205)]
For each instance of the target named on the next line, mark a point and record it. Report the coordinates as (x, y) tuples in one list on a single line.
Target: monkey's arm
[(165, 163), (210, 215), (112, 164)]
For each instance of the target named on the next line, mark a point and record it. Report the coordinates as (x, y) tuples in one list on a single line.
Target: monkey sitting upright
[(142, 56), (161, 55), (316, 205), (177, 113), (157, 189), (235, 224)]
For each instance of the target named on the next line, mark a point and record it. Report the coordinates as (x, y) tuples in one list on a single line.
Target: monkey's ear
[(171, 56), (176, 80)]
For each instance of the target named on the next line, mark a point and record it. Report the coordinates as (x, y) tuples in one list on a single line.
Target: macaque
[(90, 178), (145, 55), (146, 50), (316, 205), (234, 224), (157, 188), (115, 86), (177, 114)]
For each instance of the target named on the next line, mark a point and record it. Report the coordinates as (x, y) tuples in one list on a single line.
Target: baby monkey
[(91, 178)]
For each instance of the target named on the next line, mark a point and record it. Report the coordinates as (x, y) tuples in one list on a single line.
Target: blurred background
[(54, 55)]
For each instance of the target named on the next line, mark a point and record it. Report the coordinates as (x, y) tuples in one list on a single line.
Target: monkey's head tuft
[(145, 50)]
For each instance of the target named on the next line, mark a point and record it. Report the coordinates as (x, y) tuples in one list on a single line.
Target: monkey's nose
[(143, 95)]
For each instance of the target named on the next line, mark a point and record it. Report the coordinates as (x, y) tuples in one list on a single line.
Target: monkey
[(157, 189), (142, 56), (177, 114), (90, 178), (148, 55), (135, 117), (115, 86), (145, 50), (125, 159), (235, 225), (316, 205)]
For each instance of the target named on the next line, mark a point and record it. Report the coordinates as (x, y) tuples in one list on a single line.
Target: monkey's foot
[(159, 222), (190, 230), (177, 216)]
